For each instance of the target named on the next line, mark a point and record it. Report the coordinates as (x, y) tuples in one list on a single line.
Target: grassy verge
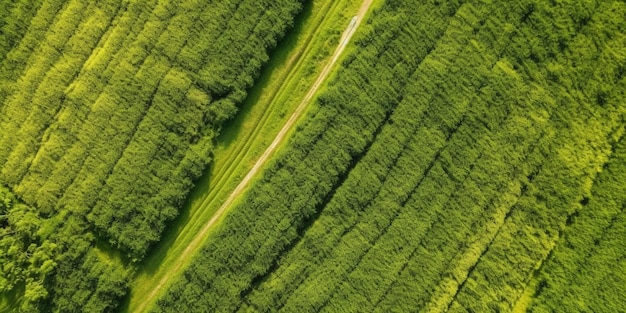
[(286, 79)]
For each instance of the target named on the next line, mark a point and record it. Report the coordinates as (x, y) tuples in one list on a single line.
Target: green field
[(462, 156), (109, 112), (436, 182), (273, 99)]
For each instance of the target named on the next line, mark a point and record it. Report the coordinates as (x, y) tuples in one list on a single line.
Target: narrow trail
[(196, 244)]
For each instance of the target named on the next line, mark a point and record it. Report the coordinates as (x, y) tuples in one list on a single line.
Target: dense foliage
[(25, 257), (468, 156), (441, 167), (108, 112), (586, 271)]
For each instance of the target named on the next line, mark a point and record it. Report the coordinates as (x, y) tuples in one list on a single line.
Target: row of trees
[(572, 74), (425, 205), (351, 113), (16, 19), (107, 121), (586, 270), (437, 170)]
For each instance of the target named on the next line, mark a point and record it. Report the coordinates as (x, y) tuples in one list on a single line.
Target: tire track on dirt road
[(196, 244)]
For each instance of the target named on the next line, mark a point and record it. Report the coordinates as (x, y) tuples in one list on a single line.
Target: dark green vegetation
[(460, 146), (586, 271), (467, 156), (108, 112), (293, 68), (26, 259)]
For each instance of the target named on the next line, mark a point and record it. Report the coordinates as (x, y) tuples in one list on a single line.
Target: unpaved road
[(198, 240)]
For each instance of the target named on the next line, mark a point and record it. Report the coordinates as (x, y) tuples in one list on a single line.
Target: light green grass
[(286, 79)]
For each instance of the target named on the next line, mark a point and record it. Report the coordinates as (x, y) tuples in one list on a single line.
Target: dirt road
[(195, 245)]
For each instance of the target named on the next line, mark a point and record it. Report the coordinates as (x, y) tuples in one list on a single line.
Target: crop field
[(302, 60), (460, 156), (109, 112), (586, 271), (455, 150)]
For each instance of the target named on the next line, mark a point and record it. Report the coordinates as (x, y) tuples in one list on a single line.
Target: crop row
[(302, 179), (456, 176), (18, 18), (494, 136), (435, 170), (586, 269), (111, 115), (584, 98)]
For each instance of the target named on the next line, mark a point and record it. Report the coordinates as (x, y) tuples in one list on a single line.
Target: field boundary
[(195, 244)]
